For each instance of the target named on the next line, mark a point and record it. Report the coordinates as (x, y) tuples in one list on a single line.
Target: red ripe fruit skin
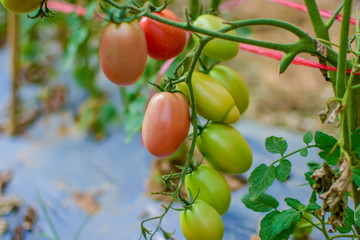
[(163, 41), (166, 123)]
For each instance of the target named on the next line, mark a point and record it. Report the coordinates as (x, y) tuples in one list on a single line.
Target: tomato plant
[(163, 41), (225, 149), (122, 52), (218, 49), (166, 123), (20, 6), (213, 101), (234, 83), (210, 186), (201, 221)]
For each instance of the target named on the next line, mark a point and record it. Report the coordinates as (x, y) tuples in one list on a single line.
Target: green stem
[(292, 153), (341, 73), (318, 24), (193, 143), (194, 8), (345, 236), (215, 5)]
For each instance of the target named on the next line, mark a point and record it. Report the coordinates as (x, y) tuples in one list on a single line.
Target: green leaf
[(279, 225), (264, 203), (134, 116), (107, 113), (294, 203), (243, 32), (308, 138), (283, 170), (304, 152), (276, 145), (355, 141), (326, 143), (313, 166), (357, 216), (348, 221), (313, 197), (356, 176), (312, 207), (308, 177), (260, 180)]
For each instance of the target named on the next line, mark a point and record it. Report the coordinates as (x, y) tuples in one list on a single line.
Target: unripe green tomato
[(211, 186), (213, 101), (225, 149), (217, 49), (201, 222), (21, 6), (303, 228), (234, 83)]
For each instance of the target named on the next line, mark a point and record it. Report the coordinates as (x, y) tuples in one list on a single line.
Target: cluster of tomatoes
[(221, 96)]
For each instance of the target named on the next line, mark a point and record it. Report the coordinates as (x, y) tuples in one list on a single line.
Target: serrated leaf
[(276, 145), (304, 152), (348, 221), (260, 180), (308, 138), (357, 216), (283, 170), (356, 176), (312, 207), (264, 203), (279, 225), (294, 203)]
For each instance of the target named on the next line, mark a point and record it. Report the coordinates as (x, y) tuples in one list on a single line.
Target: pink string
[(69, 8), (302, 7)]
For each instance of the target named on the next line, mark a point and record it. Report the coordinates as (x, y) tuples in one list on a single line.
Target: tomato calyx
[(44, 11)]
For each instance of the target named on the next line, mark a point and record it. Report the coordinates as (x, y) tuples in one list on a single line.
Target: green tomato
[(211, 186), (201, 221), (234, 83), (21, 6), (213, 101), (303, 228), (217, 49), (225, 149)]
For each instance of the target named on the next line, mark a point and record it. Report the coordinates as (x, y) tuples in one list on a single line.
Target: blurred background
[(76, 157)]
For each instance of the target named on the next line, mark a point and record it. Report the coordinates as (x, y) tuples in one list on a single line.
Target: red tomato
[(123, 53), (166, 123), (163, 41)]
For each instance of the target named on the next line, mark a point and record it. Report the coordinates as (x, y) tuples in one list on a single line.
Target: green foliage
[(276, 145), (328, 144), (294, 203), (355, 142), (283, 170), (279, 225), (260, 180), (308, 138), (264, 203), (357, 216)]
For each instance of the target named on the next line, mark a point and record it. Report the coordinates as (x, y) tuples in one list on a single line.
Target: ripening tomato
[(234, 83), (163, 41), (211, 186), (166, 123), (123, 53), (218, 49), (21, 6), (213, 101), (225, 149), (201, 222)]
